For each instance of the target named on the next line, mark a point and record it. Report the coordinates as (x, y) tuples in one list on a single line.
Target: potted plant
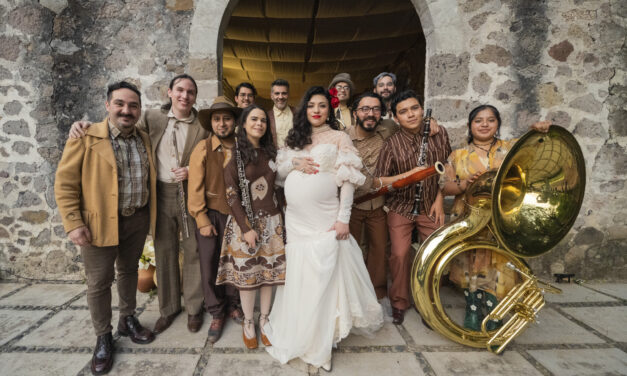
[(146, 271)]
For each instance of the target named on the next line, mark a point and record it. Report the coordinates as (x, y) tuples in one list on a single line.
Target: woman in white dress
[(327, 288)]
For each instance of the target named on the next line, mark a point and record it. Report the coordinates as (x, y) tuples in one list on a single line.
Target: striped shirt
[(133, 168), (400, 154)]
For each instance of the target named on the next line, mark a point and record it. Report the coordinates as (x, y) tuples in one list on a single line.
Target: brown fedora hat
[(221, 103)]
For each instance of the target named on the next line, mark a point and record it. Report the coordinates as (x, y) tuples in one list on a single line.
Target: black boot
[(102, 361)]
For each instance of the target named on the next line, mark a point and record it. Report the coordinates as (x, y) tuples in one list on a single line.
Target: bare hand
[(80, 236), (341, 230), (434, 127), (180, 173), (208, 231), (305, 165), (251, 238), (437, 210), (470, 180), (541, 126), (78, 128)]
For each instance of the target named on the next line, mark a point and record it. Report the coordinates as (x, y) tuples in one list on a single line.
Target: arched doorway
[(309, 42)]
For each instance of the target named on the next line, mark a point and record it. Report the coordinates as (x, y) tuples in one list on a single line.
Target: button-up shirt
[(166, 156), (400, 154), (133, 168), (284, 122), (369, 148)]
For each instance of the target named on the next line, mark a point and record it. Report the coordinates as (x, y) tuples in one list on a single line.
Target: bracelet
[(380, 183), (458, 182)]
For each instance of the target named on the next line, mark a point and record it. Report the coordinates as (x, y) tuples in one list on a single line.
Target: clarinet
[(243, 185), (422, 159), (181, 190)]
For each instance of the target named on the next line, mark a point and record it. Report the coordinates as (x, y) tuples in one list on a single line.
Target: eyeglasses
[(366, 109), (244, 95), (342, 87)]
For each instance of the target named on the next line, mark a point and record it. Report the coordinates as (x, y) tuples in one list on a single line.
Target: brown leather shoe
[(102, 360), (130, 327), (251, 343), (398, 315), (215, 329), (194, 322), (164, 322), (237, 315)]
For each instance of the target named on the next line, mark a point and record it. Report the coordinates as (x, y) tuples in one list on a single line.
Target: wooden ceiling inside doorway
[(307, 42)]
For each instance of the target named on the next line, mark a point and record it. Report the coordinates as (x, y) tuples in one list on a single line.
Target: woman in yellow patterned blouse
[(481, 273)]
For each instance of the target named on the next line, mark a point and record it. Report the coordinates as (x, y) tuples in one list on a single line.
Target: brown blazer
[(272, 122), (155, 121), (86, 185)]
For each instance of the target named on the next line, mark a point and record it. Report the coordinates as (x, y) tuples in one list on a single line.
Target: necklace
[(483, 148)]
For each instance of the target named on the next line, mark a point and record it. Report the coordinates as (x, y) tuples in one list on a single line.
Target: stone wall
[(558, 60)]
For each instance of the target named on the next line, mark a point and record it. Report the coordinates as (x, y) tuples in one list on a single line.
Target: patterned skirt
[(250, 268)]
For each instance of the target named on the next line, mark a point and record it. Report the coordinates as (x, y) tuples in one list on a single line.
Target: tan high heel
[(264, 339), (251, 343)]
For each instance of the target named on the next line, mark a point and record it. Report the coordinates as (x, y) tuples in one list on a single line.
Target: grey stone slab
[(552, 327), (376, 364), (583, 362), (479, 363), (573, 293), (422, 335), (6, 288), (614, 289), (251, 364), (13, 322), (140, 299), (44, 295), (388, 335), (176, 336), (49, 364), (66, 328), (154, 364), (609, 321)]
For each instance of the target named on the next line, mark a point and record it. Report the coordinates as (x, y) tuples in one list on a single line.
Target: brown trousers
[(167, 245), (377, 239), (101, 264), (223, 298), (400, 262)]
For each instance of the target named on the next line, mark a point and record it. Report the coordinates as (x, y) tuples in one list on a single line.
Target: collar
[(216, 143), (115, 131), (352, 132), (408, 134), (190, 119), (320, 129), (278, 112)]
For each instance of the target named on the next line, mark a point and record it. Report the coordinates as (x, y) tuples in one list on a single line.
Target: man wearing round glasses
[(345, 88)]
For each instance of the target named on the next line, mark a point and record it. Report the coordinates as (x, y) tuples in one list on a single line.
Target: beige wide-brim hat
[(343, 77), (221, 103)]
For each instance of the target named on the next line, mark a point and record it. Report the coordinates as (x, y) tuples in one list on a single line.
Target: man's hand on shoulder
[(78, 128)]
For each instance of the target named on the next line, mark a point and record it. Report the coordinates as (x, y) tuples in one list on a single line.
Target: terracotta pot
[(145, 280)]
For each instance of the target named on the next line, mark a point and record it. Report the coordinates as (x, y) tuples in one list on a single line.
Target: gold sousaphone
[(522, 210)]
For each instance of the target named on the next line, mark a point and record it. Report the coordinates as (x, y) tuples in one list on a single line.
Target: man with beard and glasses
[(368, 135), (281, 116), (175, 123), (105, 189), (207, 204), (385, 86)]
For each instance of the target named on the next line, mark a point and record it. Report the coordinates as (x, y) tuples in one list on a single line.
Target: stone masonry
[(557, 60)]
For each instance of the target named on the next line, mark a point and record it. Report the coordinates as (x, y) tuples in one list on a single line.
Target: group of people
[(260, 199)]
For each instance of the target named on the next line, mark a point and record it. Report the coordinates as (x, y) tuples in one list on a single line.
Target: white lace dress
[(327, 289)]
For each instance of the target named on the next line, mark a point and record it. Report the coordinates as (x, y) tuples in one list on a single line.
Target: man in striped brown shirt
[(399, 158)]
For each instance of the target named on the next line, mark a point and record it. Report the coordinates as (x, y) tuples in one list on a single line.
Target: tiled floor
[(46, 329)]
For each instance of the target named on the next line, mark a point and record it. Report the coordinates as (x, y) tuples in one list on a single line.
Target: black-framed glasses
[(366, 109)]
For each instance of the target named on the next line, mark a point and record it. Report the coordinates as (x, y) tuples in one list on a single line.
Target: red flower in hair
[(334, 101)]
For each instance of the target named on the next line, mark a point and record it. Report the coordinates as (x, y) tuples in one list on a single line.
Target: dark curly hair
[(300, 134), (247, 150), (475, 111)]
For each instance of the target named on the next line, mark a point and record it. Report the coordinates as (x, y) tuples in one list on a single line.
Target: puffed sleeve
[(348, 164)]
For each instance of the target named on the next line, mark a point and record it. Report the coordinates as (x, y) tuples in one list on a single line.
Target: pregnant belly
[(312, 200)]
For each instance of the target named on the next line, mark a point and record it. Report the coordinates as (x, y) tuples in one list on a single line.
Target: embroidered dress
[(264, 265), (481, 268), (327, 288)]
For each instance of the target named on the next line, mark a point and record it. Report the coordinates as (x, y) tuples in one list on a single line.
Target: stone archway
[(439, 19)]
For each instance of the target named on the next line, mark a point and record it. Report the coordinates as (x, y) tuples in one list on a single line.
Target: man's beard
[(361, 123), (227, 135)]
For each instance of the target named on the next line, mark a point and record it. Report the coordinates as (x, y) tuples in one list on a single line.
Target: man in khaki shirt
[(368, 136), (281, 117), (207, 204)]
